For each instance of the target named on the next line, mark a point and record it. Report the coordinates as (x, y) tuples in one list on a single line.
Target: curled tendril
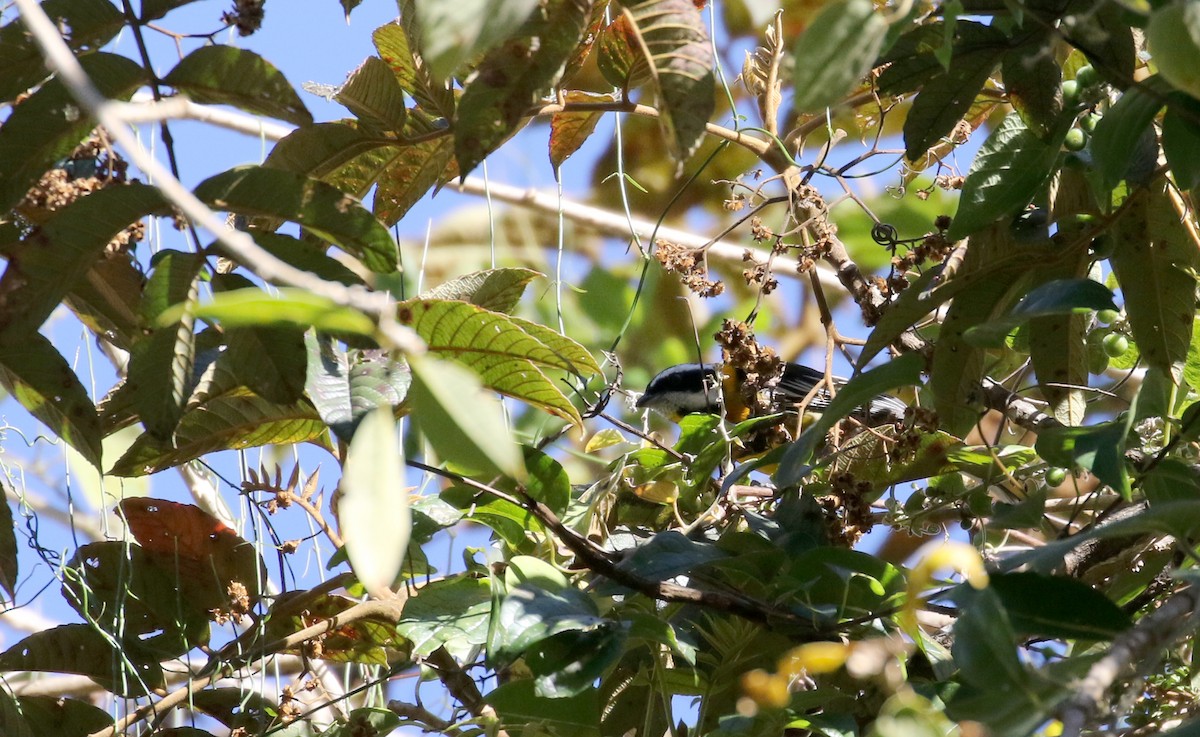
[(885, 235)]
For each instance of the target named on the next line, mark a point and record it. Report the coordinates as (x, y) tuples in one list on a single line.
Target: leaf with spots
[(499, 349), (1155, 259), (674, 41), (514, 76)]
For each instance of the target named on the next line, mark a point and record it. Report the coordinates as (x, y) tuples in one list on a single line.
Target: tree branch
[(1140, 646), (62, 61)]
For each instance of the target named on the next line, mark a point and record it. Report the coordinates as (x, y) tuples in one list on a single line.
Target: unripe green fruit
[(1088, 122), (1108, 317), (1087, 76), (1076, 140), (1070, 92), (1056, 476), (1115, 345)]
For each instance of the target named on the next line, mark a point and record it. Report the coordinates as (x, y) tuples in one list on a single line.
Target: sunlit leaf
[(230, 422), (373, 511), (463, 424)]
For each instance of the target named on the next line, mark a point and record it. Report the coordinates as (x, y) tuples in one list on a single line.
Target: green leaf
[(498, 290), (373, 512), (268, 359), (835, 52), (79, 234), (52, 716), (8, 547), (1058, 351), (674, 43), (41, 380), (320, 150), (1010, 167), (985, 644), (1173, 37), (226, 75), (1058, 607), (291, 307), (154, 9), (374, 95), (513, 523), (304, 255), (107, 300), (513, 76), (1155, 259), (531, 613), (344, 387), (1181, 140), (913, 58), (1171, 480), (453, 32), (501, 350), (518, 705), (463, 424), (946, 98), (569, 663), (1099, 448), (160, 367), (1114, 141), (228, 422), (903, 371), (452, 612), (82, 649), (319, 207), (92, 24), (365, 720), (548, 482), (13, 722), (396, 50), (1033, 80), (1057, 297), (669, 554)]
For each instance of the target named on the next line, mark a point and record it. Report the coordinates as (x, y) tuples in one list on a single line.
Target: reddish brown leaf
[(568, 131), (207, 556)]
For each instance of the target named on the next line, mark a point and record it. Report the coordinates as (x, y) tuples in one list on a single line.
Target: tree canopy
[(398, 383)]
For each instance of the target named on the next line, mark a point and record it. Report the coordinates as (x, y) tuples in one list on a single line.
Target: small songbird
[(691, 388)]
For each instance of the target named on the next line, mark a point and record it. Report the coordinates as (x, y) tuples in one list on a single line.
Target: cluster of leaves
[(682, 578)]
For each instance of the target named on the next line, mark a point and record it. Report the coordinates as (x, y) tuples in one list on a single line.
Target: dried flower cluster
[(689, 263), (92, 166), (847, 511)]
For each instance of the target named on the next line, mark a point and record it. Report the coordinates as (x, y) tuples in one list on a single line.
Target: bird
[(698, 388)]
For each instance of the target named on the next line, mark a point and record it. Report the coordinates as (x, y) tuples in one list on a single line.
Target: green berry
[(1076, 140), (1070, 92), (1087, 76), (1056, 476), (1108, 317), (1115, 345), (1089, 121)]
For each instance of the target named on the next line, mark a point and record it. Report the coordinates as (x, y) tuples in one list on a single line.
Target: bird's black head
[(684, 389)]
